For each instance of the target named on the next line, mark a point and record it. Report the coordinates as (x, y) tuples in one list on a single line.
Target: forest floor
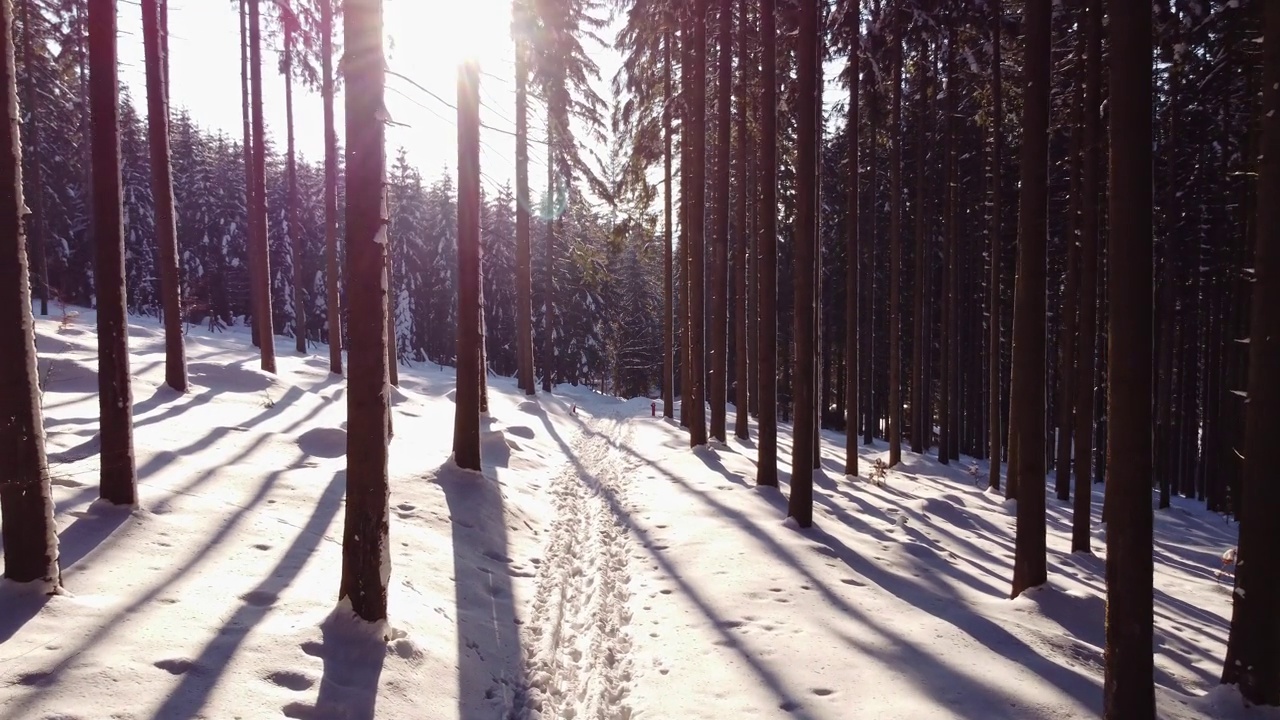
[(597, 568)]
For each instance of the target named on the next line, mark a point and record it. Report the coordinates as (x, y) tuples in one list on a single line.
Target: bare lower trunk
[(466, 430), (333, 302)]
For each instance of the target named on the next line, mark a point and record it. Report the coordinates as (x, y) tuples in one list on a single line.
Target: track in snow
[(577, 643)]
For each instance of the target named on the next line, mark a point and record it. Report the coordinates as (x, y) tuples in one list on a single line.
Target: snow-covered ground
[(597, 569)]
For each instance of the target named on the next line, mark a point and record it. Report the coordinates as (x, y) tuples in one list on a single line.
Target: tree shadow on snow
[(21, 603), (488, 687), (90, 528), (200, 676)]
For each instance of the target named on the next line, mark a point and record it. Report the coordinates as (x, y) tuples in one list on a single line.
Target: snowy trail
[(578, 644)]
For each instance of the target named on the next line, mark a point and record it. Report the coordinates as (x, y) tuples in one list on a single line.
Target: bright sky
[(425, 41)]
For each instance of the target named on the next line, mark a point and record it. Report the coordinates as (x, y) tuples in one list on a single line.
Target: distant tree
[(522, 31), (696, 100), (365, 546), (1253, 649), (291, 27), (119, 483), (1028, 384), (26, 501), (162, 192), (742, 387), (766, 268), (1128, 688), (853, 252), (994, 408), (718, 334), (895, 241), (31, 98)]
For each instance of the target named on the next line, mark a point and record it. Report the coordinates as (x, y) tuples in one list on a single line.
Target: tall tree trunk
[(291, 212), (35, 220), (720, 228), (686, 194), (365, 549), (393, 298), (1086, 345), (870, 81), (1128, 689), (246, 119), (524, 265), (697, 241), (853, 253), (767, 267), (668, 311), (919, 420), (1253, 653), (895, 243), (26, 500), (175, 357), (742, 411), (1027, 391), (333, 302), (258, 205), (994, 406), (466, 419), (1068, 321), (118, 479), (549, 295), (800, 505), (946, 439)]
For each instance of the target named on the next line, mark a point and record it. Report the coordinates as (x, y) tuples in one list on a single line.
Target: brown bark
[(364, 541), (524, 263), (718, 334), (895, 246), (1128, 687), (291, 212), (118, 479), (800, 504), (766, 268), (853, 254), (1086, 349), (919, 415), (466, 420), (31, 131), (333, 304), (262, 319), (668, 318), (1028, 384), (249, 178), (946, 439), (697, 241), (994, 407), (26, 502), (175, 364), (742, 412), (1067, 337), (1253, 653)]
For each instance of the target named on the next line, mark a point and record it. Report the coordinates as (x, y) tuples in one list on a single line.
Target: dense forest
[(1038, 234)]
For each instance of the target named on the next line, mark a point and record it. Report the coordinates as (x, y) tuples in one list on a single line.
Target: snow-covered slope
[(597, 568)]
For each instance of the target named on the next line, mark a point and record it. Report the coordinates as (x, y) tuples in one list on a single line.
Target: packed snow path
[(577, 642)]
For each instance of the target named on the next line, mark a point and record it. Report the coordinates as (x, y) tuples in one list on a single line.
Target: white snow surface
[(597, 568)]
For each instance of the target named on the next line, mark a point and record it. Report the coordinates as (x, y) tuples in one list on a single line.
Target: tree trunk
[(1086, 347), (258, 205), (115, 396), (333, 302), (365, 550), (175, 363), (393, 298), (35, 220), (1128, 689), (870, 81), (919, 420), (668, 310), (946, 439), (466, 419), (524, 265), (1028, 385), (291, 212), (720, 228), (800, 505), (26, 500), (742, 411), (853, 254), (1067, 338), (767, 267), (1253, 653), (994, 406), (246, 119), (697, 207), (895, 245)]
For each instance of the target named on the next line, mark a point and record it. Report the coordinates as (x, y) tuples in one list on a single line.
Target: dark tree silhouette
[(466, 419), (767, 267)]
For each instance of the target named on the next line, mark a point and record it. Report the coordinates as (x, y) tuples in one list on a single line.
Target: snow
[(596, 568)]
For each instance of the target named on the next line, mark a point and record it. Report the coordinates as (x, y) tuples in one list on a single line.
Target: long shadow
[(353, 658), (21, 602), (109, 625), (202, 676), (491, 687), (89, 530), (932, 675)]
